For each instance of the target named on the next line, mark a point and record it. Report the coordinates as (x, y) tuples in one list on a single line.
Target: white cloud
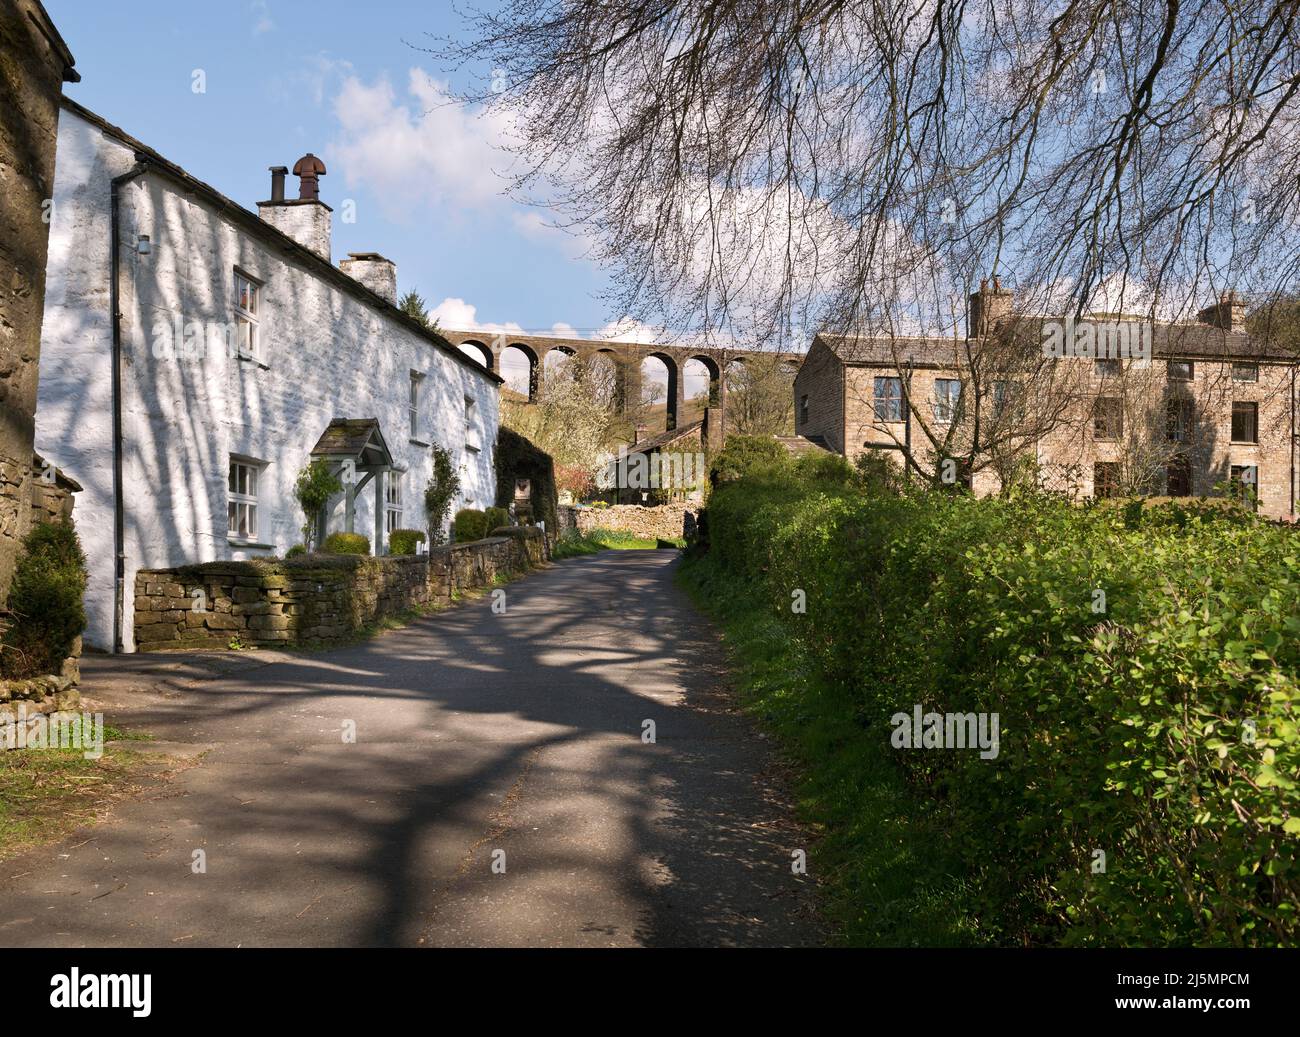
[(458, 315), (625, 329), (315, 76), (420, 149)]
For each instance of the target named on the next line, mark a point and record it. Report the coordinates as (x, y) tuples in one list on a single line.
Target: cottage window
[(947, 395), (1245, 482), (1245, 422), (889, 399), (241, 499), (413, 403), (248, 309), (1106, 368), (1180, 370), (1108, 418), (1105, 479), (1180, 416), (393, 502), (471, 424), (1245, 372), (803, 409)]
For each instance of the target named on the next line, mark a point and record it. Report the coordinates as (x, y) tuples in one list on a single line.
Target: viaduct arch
[(627, 358)]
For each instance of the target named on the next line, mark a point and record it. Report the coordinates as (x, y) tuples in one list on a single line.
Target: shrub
[(878, 472), (496, 518), (823, 468), (748, 455), (45, 597), (405, 541), (444, 485), (1143, 664), (470, 524), (295, 551), (316, 484), (346, 544)]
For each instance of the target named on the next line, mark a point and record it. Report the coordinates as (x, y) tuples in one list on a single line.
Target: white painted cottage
[(195, 354)]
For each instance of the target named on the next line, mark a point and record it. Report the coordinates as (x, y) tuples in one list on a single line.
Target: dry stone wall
[(314, 599), (664, 522)]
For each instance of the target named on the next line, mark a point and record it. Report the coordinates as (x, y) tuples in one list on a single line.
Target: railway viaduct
[(627, 358)]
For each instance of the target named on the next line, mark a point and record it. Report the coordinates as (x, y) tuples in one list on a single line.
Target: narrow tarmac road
[(498, 793)]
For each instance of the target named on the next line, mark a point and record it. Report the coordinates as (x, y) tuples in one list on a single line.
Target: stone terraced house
[(196, 356), (1213, 408)]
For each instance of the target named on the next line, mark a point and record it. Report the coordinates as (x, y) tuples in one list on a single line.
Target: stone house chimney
[(988, 306), (1229, 313), (306, 218), (374, 271), (639, 433)]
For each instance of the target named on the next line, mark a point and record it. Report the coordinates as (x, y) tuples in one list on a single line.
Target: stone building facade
[(1209, 410), (34, 64), (197, 355)]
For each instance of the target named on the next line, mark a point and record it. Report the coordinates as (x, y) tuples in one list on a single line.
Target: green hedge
[(496, 518), (45, 599), (470, 524), (405, 541), (346, 544), (1161, 731)]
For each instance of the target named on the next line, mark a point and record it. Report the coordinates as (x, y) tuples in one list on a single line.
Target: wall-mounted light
[(143, 246)]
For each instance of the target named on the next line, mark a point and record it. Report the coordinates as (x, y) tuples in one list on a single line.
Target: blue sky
[(284, 77)]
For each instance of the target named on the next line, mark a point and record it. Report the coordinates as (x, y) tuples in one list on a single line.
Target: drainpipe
[(114, 297), (1292, 508)]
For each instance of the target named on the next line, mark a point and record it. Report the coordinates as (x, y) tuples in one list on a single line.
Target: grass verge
[(46, 793), (885, 876), (573, 545)]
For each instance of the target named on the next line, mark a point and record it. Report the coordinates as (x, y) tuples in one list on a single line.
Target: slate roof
[(665, 438), (803, 444), (353, 437), (1194, 341)]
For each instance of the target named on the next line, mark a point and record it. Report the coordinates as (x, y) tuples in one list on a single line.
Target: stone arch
[(715, 375), (528, 386), (478, 351), (654, 360), (613, 378), (550, 359)]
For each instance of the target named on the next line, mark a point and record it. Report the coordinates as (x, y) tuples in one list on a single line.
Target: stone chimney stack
[(1229, 313), (374, 271), (639, 433), (988, 306), (306, 218)]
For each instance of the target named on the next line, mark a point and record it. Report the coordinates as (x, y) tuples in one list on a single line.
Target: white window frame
[(946, 406), (394, 509), (246, 316), (247, 499), (413, 403), (471, 424), (467, 499)]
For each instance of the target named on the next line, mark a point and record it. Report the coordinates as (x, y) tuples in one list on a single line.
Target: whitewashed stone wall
[(325, 353)]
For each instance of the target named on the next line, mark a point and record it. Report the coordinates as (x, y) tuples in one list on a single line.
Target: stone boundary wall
[(662, 522), (314, 598)]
